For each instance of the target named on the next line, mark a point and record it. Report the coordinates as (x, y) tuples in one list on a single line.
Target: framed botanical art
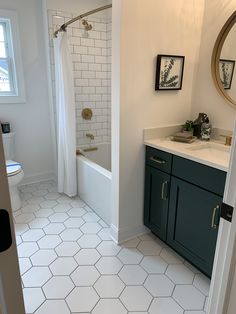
[(169, 72), (226, 68)]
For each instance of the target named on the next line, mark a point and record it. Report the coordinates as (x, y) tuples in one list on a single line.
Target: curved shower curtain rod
[(79, 17)]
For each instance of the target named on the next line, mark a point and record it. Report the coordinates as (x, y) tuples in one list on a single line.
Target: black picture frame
[(169, 72), (226, 69)]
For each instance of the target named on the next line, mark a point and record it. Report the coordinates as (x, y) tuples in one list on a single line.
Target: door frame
[(11, 294), (225, 255)]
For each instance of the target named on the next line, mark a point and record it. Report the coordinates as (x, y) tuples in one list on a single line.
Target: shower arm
[(79, 17)]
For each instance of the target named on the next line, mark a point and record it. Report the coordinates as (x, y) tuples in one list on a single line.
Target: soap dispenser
[(206, 130), (197, 124)]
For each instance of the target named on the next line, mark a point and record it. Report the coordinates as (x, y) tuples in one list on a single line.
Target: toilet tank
[(8, 145)]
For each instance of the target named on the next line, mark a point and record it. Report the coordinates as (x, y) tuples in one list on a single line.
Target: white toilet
[(14, 170)]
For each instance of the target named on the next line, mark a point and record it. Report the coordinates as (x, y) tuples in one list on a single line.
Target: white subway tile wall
[(91, 57)]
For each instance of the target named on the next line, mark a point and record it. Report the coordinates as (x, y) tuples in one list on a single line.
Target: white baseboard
[(38, 178), (122, 235)]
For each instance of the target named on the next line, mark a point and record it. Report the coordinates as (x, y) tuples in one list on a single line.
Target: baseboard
[(122, 235), (38, 178)]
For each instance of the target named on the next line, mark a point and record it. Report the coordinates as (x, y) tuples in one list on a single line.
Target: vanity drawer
[(206, 177), (158, 159)]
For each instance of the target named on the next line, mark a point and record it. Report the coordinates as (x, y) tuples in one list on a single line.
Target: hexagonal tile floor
[(70, 265)]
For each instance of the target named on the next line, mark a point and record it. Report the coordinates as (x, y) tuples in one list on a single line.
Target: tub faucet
[(91, 136)]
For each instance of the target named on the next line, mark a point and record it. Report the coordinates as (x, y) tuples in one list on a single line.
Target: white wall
[(147, 30), (75, 6), (31, 120), (205, 96)]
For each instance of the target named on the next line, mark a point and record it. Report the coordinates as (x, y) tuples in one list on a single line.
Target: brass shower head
[(87, 26)]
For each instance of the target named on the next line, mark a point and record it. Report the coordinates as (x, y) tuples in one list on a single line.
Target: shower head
[(87, 26)]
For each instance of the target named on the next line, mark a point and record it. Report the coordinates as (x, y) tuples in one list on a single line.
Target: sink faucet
[(228, 139), (90, 135)]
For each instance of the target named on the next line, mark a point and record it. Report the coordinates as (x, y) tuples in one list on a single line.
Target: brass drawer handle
[(157, 160), (213, 225), (163, 189)]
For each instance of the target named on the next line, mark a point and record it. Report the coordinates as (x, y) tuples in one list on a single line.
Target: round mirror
[(223, 61)]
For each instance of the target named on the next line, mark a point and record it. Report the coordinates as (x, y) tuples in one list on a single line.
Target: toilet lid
[(13, 167)]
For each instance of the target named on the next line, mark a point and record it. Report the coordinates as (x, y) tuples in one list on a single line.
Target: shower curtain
[(65, 107)]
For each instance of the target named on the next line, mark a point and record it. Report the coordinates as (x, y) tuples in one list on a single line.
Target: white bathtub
[(94, 180)]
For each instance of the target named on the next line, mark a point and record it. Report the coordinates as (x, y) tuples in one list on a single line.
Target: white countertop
[(215, 158)]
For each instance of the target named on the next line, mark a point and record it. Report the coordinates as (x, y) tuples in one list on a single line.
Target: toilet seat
[(13, 168)]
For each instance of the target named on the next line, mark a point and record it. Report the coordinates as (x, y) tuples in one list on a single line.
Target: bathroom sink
[(210, 149)]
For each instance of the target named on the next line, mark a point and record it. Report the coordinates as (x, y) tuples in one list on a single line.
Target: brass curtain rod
[(79, 17)]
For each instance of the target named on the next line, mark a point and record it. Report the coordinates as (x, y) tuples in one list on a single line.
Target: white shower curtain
[(65, 106)]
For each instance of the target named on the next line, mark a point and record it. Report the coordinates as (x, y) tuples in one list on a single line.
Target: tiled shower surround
[(91, 56)]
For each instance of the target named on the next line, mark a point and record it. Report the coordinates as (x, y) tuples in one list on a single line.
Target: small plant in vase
[(188, 127)]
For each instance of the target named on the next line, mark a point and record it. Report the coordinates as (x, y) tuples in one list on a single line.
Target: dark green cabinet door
[(156, 201), (193, 223)]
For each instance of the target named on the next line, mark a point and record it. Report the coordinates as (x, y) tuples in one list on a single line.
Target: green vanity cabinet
[(156, 201), (157, 183), (193, 223), (182, 205)]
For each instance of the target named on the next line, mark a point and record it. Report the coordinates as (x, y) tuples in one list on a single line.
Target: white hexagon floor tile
[(44, 212), (53, 306), (24, 218), (33, 298), (180, 274), (165, 306), (149, 248), (154, 264), (202, 283), (58, 217), (108, 248), (136, 298), (49, 242), (43, 257), (159, 285), (87, 257), (39, 223), (27, 249), (58, 287), (67, 249), (61, 208), (76, 212), (82, 299), (130, 256), (109, 286), (189, 297), (24, 264), (63, 266), (68, 257), (71, 234), (89, 241), (85, 276), (54, 228), (74, 222), (107, 306), (133, 275), (33, 235), (109, 265), (36, 277), (171, 257), (91, 228)]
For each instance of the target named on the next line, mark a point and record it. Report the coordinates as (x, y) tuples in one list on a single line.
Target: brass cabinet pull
[(157, 160), (213, 225), (163, 194)]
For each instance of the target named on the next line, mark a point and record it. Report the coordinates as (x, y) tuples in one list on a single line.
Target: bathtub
[(94, 179)]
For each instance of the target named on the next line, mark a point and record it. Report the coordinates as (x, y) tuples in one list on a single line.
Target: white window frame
[(16, 67)]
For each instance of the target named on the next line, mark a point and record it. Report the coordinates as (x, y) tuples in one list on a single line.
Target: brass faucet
[(90, 135), (228, 139)]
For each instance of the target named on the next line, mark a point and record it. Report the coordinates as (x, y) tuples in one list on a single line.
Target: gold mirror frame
[(216, 58)]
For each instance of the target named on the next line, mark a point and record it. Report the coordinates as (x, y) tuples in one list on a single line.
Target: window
[(11, 74)]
